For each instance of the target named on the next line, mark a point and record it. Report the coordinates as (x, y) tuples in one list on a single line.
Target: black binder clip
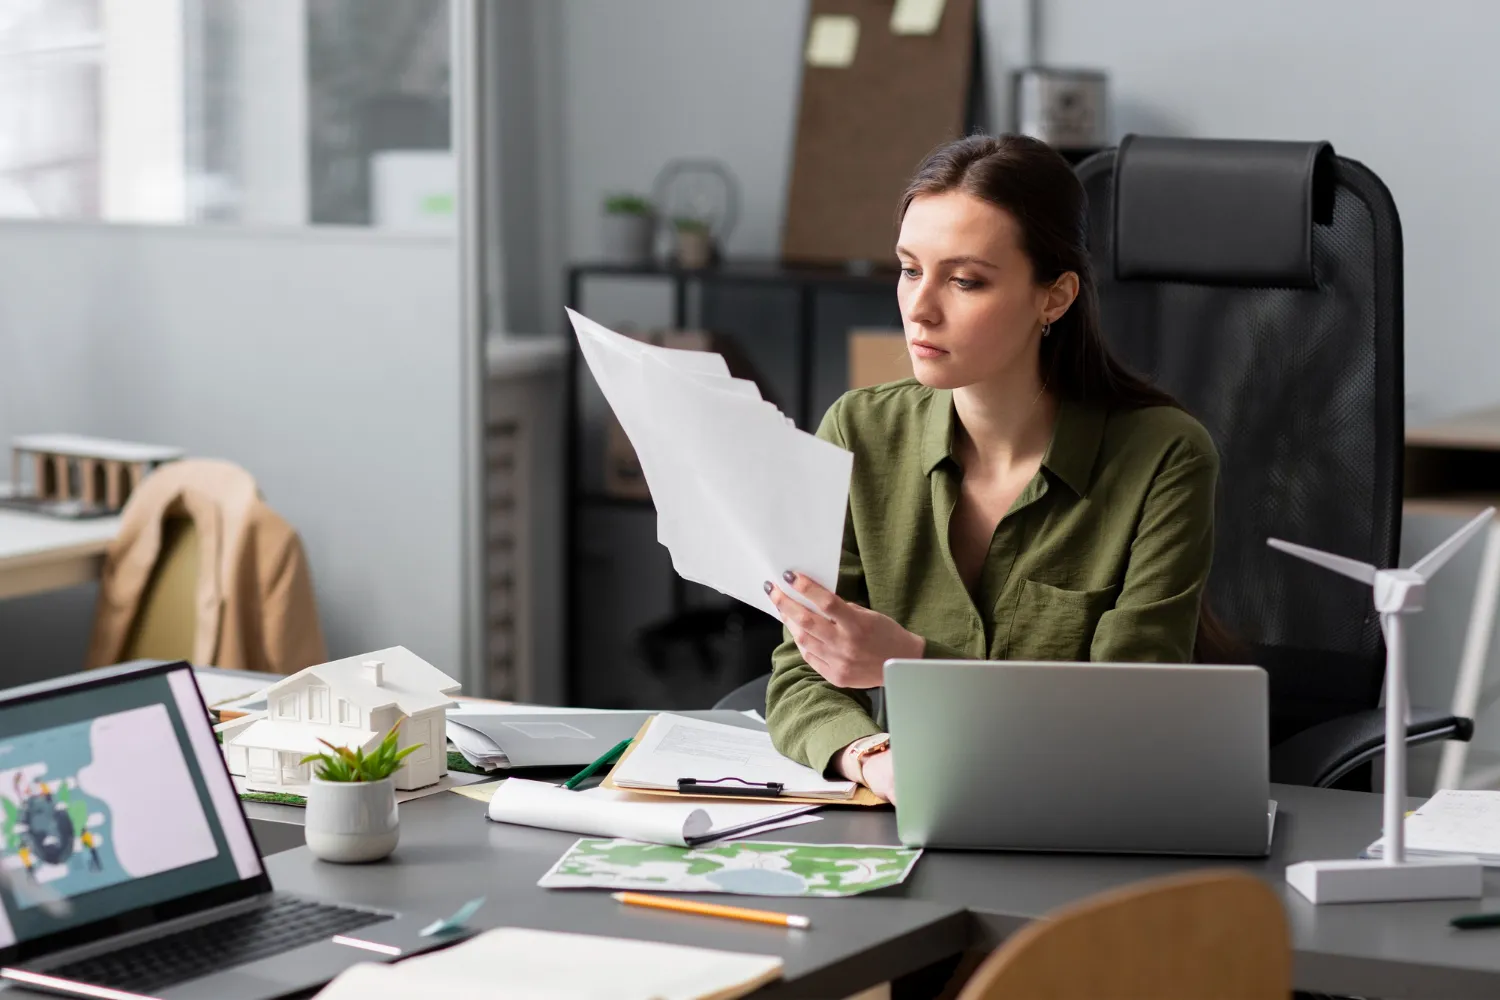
[(717, 786)]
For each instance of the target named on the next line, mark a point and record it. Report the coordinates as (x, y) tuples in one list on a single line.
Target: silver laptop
[(127, 867), (1107, 757)]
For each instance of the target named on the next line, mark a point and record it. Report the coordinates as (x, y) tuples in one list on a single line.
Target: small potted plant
[(695, 243), (351, 802), (629, 229)]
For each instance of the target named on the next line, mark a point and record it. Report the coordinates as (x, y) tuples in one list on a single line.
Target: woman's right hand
[(880, 776), (875, 772)]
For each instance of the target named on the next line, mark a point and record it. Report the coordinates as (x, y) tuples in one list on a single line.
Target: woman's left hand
[(846, 643)]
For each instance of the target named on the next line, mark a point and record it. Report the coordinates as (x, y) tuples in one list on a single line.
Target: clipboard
[(862, 795)]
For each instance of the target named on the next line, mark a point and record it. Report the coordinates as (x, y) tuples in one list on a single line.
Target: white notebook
[(1453, 823), (520, 964), (676, 747), (605, 812)]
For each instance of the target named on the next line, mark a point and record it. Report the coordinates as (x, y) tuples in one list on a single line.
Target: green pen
[(1491, 919), (610, 756)]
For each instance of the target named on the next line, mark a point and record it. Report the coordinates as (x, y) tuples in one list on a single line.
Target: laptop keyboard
[(200, 951)]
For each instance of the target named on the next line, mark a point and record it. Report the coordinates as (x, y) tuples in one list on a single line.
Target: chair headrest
[(1220, 211)]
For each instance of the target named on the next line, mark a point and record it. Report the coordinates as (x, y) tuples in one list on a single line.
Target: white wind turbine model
[(1398, 592)]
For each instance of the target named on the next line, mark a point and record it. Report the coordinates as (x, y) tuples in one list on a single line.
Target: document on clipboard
[(678, 755)]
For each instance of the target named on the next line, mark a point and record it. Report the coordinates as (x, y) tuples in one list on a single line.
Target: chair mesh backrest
[(1302, 391)]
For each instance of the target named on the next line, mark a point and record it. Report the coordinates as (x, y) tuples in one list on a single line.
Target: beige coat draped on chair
[(253, 595)]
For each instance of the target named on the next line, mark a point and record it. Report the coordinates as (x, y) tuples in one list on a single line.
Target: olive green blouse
[(1102, 557)]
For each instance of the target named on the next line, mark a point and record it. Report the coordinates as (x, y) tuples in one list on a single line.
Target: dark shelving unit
[(807, 286)]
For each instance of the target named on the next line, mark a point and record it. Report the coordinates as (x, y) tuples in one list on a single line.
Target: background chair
[(1260, 283), (167, 622), (1209, 934), (202, 569)]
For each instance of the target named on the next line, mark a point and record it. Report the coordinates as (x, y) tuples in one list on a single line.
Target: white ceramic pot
[(694, 249), (628, 238), (352, 821)]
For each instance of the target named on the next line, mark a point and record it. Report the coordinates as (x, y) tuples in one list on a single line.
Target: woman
[(1023, 497)]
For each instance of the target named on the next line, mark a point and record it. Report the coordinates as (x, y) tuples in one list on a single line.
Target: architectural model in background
[(70, 475)]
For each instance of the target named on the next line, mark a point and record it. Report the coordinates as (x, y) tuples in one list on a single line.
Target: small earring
[(1046, 329)]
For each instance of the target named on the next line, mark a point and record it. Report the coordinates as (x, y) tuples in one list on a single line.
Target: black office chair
[(1261, 284)]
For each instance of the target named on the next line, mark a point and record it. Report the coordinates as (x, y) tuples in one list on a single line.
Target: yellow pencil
[(714, 910)]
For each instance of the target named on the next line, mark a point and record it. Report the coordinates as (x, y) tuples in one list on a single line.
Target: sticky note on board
[(916, 17), (832, 41)]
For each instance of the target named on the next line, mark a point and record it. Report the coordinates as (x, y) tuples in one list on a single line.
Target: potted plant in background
[(629, 229), (351, 802), (695, 243)]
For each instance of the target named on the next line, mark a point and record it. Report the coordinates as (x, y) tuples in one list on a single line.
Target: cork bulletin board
[(883, 83)]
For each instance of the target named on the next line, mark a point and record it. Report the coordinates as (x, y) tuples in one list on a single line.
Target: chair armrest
[(750, 695), (1323, 754)]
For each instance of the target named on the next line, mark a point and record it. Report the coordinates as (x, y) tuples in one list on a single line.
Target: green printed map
[(753, 868)]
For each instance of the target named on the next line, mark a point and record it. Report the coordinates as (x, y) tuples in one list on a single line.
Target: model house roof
[(406, 680), (300, 737)]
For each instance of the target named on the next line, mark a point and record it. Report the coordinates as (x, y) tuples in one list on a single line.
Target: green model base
[(275, 798), (457, 763)]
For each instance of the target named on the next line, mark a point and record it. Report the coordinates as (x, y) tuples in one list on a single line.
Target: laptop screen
[(114, 799)]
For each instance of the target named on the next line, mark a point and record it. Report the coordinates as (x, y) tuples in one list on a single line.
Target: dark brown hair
[(1037, 188)]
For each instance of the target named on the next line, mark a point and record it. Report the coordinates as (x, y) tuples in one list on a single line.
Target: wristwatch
[(867, 746)]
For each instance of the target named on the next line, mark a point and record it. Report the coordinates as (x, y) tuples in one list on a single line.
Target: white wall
[(326, 362)]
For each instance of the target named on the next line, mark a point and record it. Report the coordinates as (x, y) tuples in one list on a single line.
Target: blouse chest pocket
[(1056, 624)]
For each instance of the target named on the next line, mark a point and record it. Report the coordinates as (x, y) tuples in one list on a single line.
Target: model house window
[(262, 764), (317, 704), (287, 707), (348, 716), (293, 772)]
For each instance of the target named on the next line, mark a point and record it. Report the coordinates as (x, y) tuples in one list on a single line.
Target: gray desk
[(1387, 950), (449, 853), (1391, 950)]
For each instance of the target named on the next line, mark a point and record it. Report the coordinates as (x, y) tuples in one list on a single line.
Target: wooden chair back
[(1209, 935)]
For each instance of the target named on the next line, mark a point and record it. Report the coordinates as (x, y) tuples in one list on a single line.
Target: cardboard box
[(876, 357)]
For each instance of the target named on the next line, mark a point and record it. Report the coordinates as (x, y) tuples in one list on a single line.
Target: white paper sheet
[(547, 965), (605, 812), (676, 746), (1455, 822), (741, 494), (219, 689)]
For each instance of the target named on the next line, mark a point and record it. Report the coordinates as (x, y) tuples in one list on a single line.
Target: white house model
[(350, 703)]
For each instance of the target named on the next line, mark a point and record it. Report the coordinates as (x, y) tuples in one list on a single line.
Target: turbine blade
[(1352, 568), (1434, 560)]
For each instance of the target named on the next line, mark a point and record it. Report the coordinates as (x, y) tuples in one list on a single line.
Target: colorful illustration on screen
[(95, 803)]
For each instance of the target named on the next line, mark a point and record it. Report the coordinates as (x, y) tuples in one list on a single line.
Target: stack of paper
[(1453, 823), (482, 751), (741, 494), (477, 748), (677, 747), (523, 964), (605, 812)]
